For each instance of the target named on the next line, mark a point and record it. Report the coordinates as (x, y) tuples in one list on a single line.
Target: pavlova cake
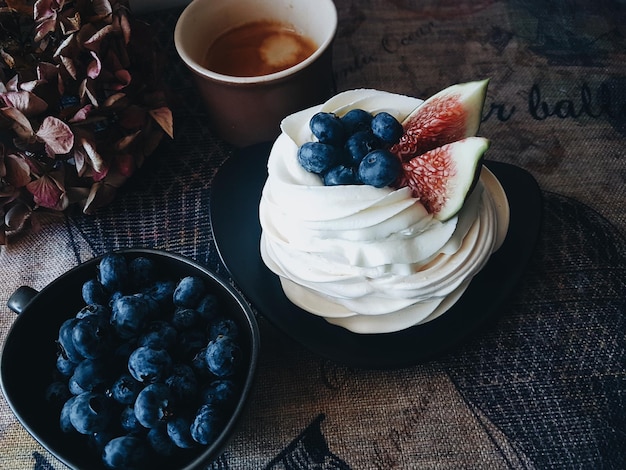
[(377, 211)]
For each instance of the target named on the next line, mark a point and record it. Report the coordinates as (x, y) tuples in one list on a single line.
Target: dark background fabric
[(544, 384)]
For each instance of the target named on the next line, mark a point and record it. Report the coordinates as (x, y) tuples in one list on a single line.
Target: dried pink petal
[(101, 194), (46, 26), (80, 161), (21, 124), (13, 84), (65, 48), (124, 78), (86, 31), (46, 192), (17, 171), (44, 9), (163, 117), (94, 67), (93, 43), (47, 71), (69, 66), (36, 168), (125, 26), (57, 136), (77, 195), (102, 7), (125, 141), (27, 102), (113, 99), (85, 92), (81, 114), (70, 24), (100, 175), (95, 160), (44, 43), (16, 217), (50, 73), (31, 85), (7, 58)]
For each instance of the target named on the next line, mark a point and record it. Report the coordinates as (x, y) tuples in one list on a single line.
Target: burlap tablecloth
[(545, 385)]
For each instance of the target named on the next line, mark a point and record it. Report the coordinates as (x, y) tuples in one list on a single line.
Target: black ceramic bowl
[(29, 355)]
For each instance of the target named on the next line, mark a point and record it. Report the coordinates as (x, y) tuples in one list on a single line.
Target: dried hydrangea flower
[(81, 106)]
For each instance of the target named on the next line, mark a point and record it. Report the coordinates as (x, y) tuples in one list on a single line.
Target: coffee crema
[(258, 48)]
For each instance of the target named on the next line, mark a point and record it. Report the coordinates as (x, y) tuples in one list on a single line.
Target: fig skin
[(435, 132), (443, 178), (452, 114)]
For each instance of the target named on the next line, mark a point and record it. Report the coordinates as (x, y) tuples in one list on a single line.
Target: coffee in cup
[(258, 48), (257, 61)]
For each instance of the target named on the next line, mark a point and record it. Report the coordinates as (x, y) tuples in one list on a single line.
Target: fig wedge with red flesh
[(452, 114), (443, 177)]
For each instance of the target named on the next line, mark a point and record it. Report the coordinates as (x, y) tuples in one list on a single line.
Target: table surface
[(544, 386)]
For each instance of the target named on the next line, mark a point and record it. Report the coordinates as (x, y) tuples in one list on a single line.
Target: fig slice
[(443, 177), (452, 114)]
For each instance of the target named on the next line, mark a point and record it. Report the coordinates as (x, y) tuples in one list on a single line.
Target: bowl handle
[(21, 298)]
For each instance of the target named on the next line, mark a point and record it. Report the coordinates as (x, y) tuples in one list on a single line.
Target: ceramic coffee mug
[(246, 110)]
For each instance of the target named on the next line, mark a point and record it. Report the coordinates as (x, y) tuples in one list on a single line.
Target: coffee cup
[(245, 107)]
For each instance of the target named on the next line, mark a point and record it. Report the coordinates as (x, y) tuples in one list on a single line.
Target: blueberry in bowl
[(138, 358)]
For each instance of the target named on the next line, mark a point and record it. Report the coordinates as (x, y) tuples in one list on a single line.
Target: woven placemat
[(540, 388)]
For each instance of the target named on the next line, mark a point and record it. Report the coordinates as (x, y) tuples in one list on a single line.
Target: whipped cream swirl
[(371, 260)]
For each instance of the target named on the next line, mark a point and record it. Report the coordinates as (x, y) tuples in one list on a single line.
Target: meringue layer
[(371, 260)]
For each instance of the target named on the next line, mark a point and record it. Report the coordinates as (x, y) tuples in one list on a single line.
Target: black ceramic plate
[(235, 196)]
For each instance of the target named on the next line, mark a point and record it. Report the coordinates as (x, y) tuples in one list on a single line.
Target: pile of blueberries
[(148, 367), (353, 148)]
